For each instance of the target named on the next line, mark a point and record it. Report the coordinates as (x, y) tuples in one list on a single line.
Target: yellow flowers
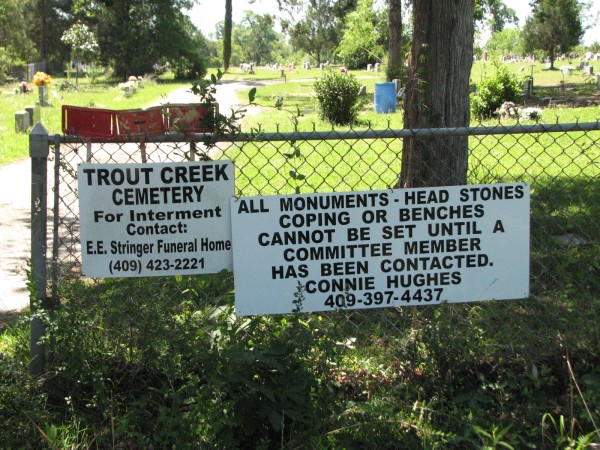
[(42, 79)]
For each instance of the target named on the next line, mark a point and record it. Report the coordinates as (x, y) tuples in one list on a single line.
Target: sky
[(205, 17)]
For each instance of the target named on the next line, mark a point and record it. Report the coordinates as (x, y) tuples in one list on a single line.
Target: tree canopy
[(255, 36), (506, 41), (319, 31), (136, 34), (364, 36), (554, 27), (132, 35), (15, 45)]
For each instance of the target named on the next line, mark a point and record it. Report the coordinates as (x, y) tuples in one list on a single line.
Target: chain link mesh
[(561, 161)]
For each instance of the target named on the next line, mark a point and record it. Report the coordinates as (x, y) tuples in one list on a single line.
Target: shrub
[(494, 91), (358, 59), (337, 95), (67, 85)]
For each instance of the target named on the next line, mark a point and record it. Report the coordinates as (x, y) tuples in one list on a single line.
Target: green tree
[(437, 92), (364, 34), (256, 37), (16, 48), (319, 31), (501, 15), (193, 55), (82, 42), (554, 27), (50, 19), (136, 34), (506, 41)]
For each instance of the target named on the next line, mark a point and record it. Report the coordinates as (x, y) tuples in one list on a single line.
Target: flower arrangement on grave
[(531, 114), (42, 79), (508, 109)]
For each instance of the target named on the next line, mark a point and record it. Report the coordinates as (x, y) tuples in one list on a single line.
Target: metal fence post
[(39, 149)]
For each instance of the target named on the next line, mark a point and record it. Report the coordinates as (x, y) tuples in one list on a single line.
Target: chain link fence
[(561, 161)]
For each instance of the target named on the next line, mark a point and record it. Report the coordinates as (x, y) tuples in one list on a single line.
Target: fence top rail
[(349, 134)]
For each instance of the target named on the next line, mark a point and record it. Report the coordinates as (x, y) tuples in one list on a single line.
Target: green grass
[(298, 101), (541, 74)]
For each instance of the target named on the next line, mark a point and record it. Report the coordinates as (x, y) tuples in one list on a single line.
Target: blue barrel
[(385, 98)]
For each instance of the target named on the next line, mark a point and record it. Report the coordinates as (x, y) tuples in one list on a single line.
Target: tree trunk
[(394, 69), (227, 27), (43, 43), (437, 92)]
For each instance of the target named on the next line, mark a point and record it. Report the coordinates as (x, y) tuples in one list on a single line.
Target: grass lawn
[(298, 102)]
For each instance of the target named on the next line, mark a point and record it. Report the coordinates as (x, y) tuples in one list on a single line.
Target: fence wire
[(561, 161)]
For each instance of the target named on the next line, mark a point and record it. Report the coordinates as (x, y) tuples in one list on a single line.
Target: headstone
[(376, 67), (528, 85), (22, 122), (589, 70), (598, 81), (369, 67), (362, 91), (34, 113)]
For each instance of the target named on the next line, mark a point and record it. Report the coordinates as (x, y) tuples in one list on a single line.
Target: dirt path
[(15, 234), (15, 204)]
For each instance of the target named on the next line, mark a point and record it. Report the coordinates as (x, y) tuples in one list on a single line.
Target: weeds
[(173, 366)]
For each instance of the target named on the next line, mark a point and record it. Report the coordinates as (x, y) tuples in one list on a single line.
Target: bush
[(494, 91), (358, 59), (189, 67), (67, 85), (337, 94)]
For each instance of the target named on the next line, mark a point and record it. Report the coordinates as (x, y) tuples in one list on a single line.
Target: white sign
[(354, 250), (141, 220)]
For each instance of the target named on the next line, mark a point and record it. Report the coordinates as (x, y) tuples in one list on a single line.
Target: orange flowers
[(42, 79)]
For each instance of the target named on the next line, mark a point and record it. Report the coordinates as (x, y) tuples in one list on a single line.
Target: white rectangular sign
[(155, 219), (354, 250)]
